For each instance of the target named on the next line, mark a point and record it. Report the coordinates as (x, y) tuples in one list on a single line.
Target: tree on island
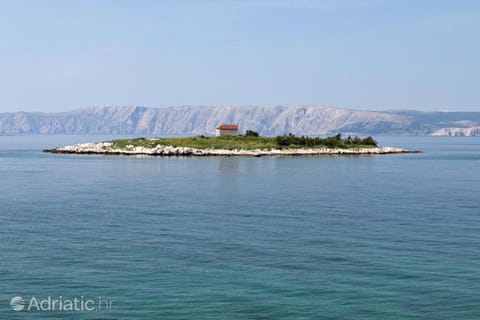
[(251, 133), (330, 142)]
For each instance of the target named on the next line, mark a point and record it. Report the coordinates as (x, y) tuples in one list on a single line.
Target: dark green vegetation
[(251, 133), (331, 142), (250, 141)]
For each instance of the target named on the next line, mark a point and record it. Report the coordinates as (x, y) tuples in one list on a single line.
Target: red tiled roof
[(228, 127)]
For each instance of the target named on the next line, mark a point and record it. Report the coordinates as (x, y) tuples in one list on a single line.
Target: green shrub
[(251, 133)]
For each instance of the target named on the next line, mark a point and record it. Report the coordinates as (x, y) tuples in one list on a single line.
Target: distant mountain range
[(272, 120)]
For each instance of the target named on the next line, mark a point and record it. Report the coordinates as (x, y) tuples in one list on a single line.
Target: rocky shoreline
[(107, 148)]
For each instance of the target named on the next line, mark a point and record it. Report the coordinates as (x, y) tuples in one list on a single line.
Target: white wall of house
[(220, 132)]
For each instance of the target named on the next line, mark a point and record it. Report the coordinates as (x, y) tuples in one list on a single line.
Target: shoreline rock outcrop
[(108, 148)]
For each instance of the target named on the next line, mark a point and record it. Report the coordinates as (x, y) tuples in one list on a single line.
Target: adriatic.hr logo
[(17, 303), (49, 303)]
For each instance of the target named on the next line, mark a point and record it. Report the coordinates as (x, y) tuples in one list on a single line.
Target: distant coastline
[(267, 120)]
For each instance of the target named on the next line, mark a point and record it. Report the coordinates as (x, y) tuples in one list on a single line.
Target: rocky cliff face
[(274, 120), (458, 132)]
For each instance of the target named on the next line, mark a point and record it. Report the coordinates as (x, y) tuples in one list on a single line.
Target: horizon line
[(245, 106)]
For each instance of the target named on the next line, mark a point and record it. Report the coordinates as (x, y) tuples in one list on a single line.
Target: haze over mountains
[(271, 120)]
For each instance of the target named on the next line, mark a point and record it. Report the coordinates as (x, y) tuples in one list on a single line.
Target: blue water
[(370, 237)]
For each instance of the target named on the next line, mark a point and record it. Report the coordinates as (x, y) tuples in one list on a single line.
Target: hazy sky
[(365, 54)]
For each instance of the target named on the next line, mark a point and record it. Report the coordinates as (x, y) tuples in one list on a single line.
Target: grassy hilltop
[(250, 141)]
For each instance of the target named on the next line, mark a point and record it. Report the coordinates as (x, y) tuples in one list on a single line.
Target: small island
[(249, 144)]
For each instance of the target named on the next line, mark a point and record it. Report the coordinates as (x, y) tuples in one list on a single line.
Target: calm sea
[(370, 237)]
